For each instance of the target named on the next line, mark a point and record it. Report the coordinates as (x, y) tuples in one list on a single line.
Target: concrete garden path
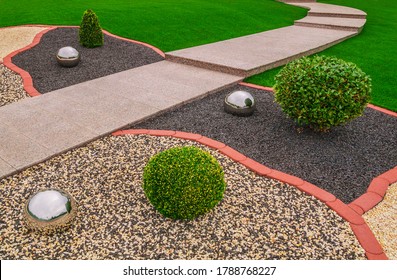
[(35, 129), (325, 26)]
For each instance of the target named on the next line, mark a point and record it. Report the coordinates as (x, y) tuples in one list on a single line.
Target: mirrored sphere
[(240, 103), (68, 57), (68, 52), (49, 210)]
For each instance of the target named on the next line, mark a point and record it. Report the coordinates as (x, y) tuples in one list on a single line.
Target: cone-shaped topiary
[(90, 32), (183, 182), (322, 92)]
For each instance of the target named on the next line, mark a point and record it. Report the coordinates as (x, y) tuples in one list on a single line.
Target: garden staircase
[(324, 26)]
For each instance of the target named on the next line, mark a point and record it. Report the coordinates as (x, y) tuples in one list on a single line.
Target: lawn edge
[(374, 107)]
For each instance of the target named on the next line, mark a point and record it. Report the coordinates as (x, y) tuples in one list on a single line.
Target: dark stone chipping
[(114, 56), (343, 161)]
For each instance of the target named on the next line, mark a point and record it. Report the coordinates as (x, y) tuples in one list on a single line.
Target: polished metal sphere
[(68, 57), (50, 210), (240, 103)]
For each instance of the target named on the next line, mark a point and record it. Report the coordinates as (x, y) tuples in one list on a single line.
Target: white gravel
[(15, 38), (382, 219), (11, 86), (258, 218), (12, 39)]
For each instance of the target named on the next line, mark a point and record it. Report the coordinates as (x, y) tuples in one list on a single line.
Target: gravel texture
[(11, 86), (114, 56), (15, 38), (258, 218), (343, 161), (382, 219)]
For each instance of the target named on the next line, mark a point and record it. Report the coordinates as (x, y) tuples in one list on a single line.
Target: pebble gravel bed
[(258, 218), (15, 38), (114, 56), (11, 86), (382, 219), (343, 161)]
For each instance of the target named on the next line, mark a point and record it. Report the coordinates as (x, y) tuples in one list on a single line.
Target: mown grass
[(177, 24), (373, 50), (166, 24)]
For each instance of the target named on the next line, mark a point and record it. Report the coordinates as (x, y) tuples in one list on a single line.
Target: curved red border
[(378, 187), (363, 233), (351, 213), (27, 79), (380, 109), (157, 50)]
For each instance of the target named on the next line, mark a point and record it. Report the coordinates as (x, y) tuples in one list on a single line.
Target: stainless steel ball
[(68, 57), (240, 103), (50, 210)]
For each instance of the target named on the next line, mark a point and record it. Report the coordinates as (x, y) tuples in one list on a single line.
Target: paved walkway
[(35, 129), (325, 26)]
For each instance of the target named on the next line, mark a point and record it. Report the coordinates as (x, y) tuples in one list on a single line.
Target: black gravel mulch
[(342, 161), (114, 56)]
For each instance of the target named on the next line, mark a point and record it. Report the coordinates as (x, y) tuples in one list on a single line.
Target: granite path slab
[(34, 129)]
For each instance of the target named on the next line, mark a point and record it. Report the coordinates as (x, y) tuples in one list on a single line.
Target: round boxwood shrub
[(322, 92), (90, 32), (183, 182)]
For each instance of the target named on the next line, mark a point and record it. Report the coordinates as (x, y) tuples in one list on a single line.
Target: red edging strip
[(27, 79), (380, 109), (383, 110), (376, 192), (379, 185), (256, 86), (363, 233), (157, 50)]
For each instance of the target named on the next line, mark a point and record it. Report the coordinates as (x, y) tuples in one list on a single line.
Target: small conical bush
[(90, 32)]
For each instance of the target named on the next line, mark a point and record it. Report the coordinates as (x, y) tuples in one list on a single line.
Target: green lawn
[(374, 50), (176, 24), (166, 24)]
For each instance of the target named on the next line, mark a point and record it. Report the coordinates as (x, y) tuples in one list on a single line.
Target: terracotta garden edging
[(363, 233), (27, 79), (352, 213), (379, 185)]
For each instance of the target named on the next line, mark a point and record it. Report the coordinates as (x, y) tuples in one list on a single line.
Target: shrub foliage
[(322, 92), (90, 32), (183, 182)]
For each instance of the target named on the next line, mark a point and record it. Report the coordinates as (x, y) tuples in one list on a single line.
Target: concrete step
[(346, 24), (253, 54), (327, 10), (297, 1)]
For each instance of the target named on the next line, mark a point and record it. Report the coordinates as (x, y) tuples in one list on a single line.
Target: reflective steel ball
[(68, 57), (240, 103), (50, 210)]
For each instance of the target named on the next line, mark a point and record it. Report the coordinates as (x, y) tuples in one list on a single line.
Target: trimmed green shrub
[(183, 182), (322, 92), (90, 32)]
